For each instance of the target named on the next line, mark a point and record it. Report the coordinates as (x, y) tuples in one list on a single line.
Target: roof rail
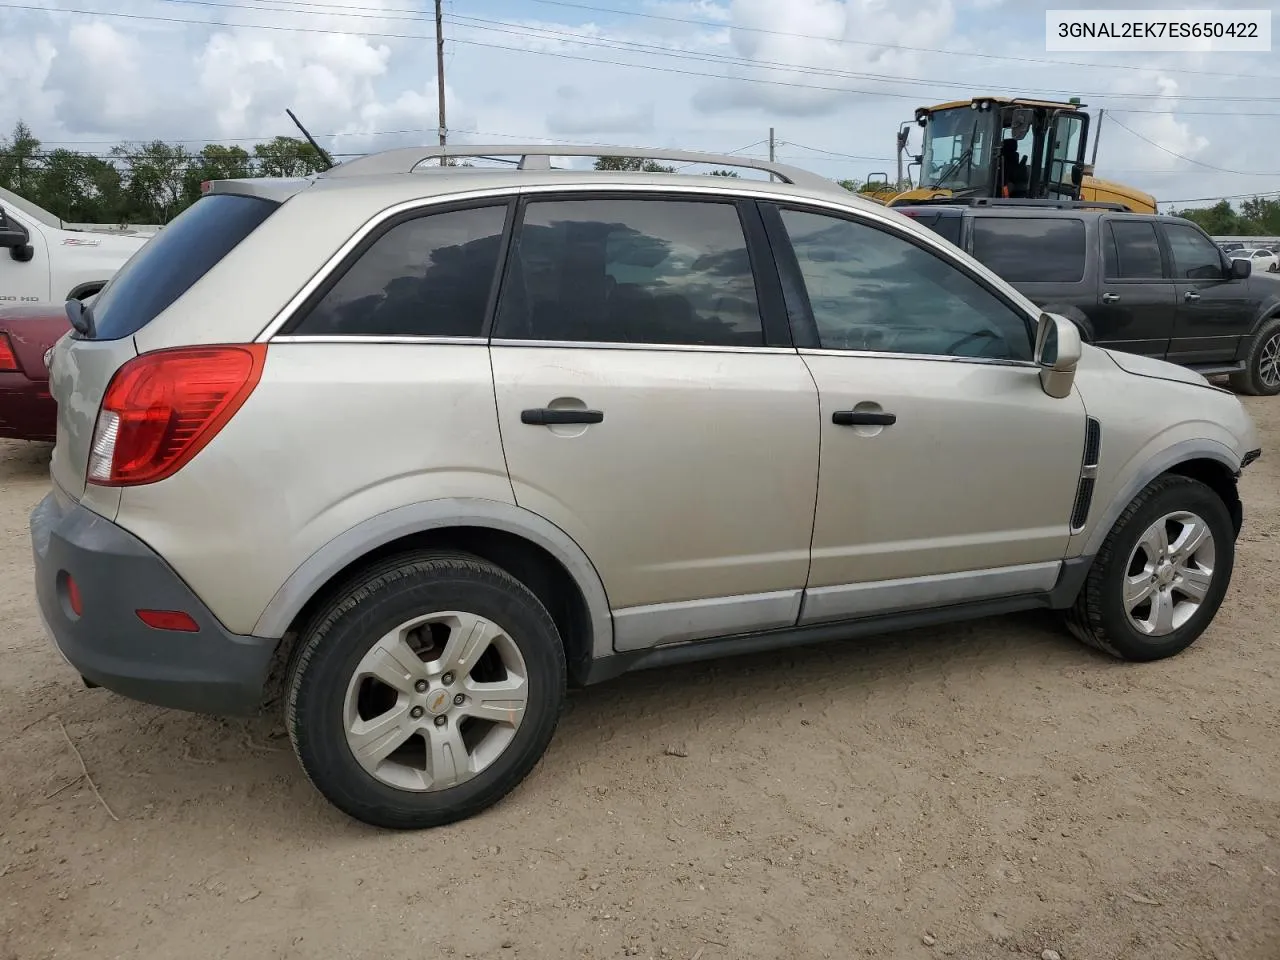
[(538, 157), (1019, 202)]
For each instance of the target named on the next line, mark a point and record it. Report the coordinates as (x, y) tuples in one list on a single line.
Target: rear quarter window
[(173, 260), (1031, 249)]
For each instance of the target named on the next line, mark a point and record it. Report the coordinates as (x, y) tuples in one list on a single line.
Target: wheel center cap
[(437, 702), (1165, 574)]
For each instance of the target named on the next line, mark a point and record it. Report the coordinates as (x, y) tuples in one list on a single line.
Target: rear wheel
[(1161, 574), (1261, 375), (426, 692)]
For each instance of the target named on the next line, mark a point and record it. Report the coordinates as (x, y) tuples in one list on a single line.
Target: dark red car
[(27, 411)]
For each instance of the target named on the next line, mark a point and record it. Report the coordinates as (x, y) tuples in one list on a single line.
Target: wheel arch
[(533, 550), (1208, 461)]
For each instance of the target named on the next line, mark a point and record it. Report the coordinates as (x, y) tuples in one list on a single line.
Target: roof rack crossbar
[(538, 157)]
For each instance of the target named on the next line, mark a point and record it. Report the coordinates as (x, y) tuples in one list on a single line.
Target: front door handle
[(1111, 298), (1191, 296), (863, 418), (547, 416)]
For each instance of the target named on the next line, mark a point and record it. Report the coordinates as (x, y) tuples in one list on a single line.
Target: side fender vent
[(1088, 475)]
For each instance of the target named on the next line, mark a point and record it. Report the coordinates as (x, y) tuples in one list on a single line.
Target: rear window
[(1031, 249), (946, 226), (174, 259)]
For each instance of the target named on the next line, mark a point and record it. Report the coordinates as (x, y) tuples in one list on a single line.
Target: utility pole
[(440, 74), (771, 150)]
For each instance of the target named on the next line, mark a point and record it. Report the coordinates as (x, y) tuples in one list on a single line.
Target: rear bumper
[(27, 412), (208, 671)]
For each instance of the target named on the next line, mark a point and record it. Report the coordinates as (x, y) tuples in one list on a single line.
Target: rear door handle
[(863, 418), (546, 416), (1111, 298), (1191, 296)]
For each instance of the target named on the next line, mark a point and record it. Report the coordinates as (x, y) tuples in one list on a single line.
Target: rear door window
[(1031, 249), (1132, 252), (643, 271), (946, 226), (426, 277), (174, 259)]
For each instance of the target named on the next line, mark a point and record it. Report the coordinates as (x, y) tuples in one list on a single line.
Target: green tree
[(287, 157), (723, 173), (156, 190), (81, 188), (216, 162), (20, 170), (632, 164)]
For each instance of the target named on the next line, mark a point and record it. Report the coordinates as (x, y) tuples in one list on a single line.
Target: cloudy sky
[(833, 77)]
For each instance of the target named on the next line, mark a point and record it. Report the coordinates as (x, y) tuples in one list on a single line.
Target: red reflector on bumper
[(168, 620), (73, 597)]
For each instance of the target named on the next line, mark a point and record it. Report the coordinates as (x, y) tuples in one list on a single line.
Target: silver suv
[(424, 447)]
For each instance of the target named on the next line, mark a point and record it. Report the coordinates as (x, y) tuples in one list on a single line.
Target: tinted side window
[(631, 271), (945, 226), (173, 260), (1133, 252), (1194, 257), (872, 290), (1034, 250), (427, 277)]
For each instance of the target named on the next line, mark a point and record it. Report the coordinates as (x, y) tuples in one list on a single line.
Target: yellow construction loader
[(1004, 147)]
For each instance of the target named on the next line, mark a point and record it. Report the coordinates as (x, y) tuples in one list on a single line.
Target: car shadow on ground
[(620, 725)]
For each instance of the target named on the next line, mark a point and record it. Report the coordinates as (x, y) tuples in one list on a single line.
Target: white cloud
[(76, 78)]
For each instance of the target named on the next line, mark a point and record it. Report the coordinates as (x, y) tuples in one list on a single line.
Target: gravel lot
[(988, 790)]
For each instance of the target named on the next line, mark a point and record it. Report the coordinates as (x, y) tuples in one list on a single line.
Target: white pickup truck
[(43, 260)]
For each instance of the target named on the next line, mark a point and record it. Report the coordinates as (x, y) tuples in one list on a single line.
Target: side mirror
[(1077, 174), (14, 236), (1057, 352), (1241, 269)]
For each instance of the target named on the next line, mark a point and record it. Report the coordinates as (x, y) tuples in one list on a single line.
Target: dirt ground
[(988, 790)]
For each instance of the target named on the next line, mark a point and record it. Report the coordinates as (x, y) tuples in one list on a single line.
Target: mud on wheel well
[(533, 566), (1218, 477)]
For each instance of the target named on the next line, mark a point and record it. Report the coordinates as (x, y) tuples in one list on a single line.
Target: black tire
[(1250, 380), (1098, 617), (387, 595)]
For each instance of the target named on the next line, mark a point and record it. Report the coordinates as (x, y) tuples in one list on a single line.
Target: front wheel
[(1161, 574), (425, 692)]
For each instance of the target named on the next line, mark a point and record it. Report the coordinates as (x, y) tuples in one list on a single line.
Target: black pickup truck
[(1153, 285)]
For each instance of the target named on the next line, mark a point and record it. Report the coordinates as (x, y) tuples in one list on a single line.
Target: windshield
[(957, 149)]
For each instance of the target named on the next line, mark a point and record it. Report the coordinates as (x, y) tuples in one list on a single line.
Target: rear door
[(652, 407), (1044, 257), (1137, 304), (154, 278), (1214, 310)]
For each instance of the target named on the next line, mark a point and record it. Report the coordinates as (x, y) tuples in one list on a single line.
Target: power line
[(612, 43), (1233, 196), (566, 56), (1174, 153), (336, 8)]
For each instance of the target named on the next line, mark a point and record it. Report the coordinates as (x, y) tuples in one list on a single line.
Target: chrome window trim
[(722, 192), (935, 357), (661, 347), (361, 338)]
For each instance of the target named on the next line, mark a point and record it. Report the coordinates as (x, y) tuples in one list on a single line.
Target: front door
[(1137, 305), (946, 472), (1214, 309), (645, 412)]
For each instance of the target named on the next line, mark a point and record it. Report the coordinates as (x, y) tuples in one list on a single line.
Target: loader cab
[(1004, 148)]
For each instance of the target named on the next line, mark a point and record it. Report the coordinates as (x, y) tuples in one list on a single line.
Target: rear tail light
[(73, 597), (162, 408), (8, 362)]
